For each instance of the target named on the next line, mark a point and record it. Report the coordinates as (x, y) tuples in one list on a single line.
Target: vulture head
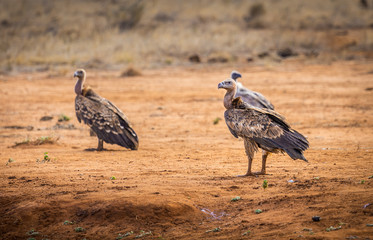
[(228, 84), (235, 75), (80, 73)]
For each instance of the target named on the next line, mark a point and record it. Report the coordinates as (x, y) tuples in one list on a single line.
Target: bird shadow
[(238, 177), (103, 150)]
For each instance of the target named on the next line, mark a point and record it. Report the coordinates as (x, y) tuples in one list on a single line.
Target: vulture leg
[(264, 159), (100, 145), (250, 148)]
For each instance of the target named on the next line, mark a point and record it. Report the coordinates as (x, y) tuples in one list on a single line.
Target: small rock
[(316, 218)]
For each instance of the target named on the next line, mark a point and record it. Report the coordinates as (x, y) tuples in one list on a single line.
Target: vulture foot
[(248, 174), (252, 174)]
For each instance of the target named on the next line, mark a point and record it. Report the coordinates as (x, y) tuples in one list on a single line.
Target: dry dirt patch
[(180, 183)]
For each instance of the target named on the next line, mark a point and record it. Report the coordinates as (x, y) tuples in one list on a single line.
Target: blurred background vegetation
[(44, 34)]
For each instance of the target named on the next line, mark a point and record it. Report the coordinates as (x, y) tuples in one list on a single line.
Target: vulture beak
[(221, 85), (75, 74)]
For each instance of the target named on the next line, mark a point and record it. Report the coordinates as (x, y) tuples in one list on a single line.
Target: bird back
[(105, 119)]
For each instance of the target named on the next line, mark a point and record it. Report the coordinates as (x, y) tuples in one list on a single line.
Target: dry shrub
[(286, 52), (257, 10), (195, 58), (253, 18), (37, 142), (219, 58), (94, 63), (145, 32), (130, 72), (163, 17), (128, 17)]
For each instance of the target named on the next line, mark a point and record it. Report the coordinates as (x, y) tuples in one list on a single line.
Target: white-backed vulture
[(103, 117), (253, 98), (260, 128)]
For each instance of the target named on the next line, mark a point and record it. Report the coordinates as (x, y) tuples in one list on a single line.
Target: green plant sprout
[(63, 118), (79, 229), (218, 229), (258, 211), (235, 199), (10, 160), (265, 184)]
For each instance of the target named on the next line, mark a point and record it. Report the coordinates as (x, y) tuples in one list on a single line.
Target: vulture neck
[(228, 98), (79, 85)]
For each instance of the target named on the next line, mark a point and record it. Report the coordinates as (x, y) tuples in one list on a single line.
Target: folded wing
[(105, 119), (266, 128)]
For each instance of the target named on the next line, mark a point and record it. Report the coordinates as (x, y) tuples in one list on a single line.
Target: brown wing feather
[(266, 128), (250, 123), (105, 119)]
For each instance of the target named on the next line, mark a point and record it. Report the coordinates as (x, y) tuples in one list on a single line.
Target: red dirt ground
[(185, 167)]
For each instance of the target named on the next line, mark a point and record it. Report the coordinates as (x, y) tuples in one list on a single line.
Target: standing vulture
[(105, 119), (253, 98), (260, 128)]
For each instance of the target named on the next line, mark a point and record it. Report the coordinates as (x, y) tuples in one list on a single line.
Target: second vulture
[(103, 117), (253, 98), (260, 128)]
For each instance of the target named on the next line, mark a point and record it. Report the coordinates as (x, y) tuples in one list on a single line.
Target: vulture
[(103, 117), (253, 98), (260, 128)]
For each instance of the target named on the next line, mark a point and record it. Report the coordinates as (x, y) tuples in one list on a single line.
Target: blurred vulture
[(260, 128), (253, 98), (105, 119)]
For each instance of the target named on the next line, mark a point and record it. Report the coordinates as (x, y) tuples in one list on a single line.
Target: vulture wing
[(106, 120), (267, 128), (254, 98)]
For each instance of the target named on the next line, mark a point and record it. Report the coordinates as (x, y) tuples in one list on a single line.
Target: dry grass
[(36, 142), (155, 33)]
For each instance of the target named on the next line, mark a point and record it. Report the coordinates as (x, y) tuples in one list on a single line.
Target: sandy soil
[(180, 182)]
